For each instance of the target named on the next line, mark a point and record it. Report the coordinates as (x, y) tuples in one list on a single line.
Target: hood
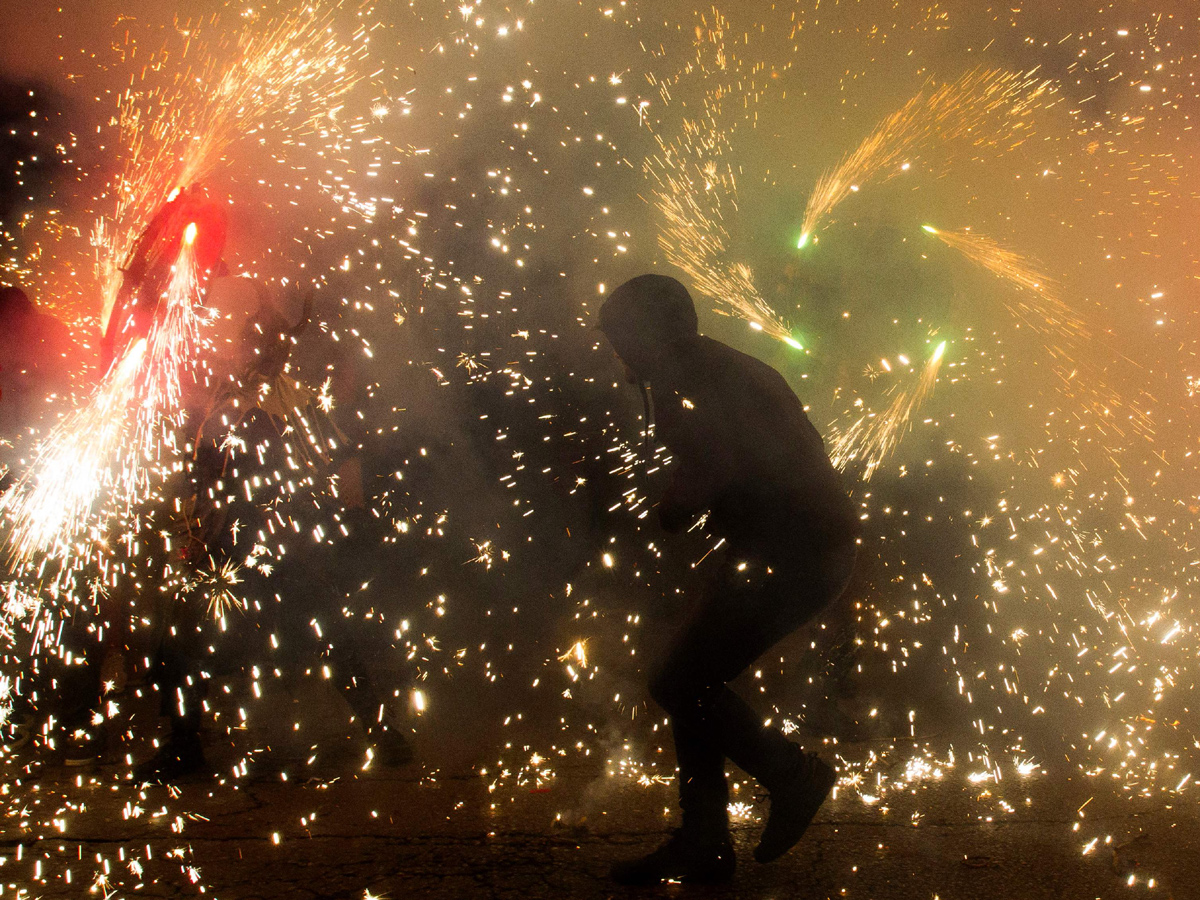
[(648, 312), (15, 304)]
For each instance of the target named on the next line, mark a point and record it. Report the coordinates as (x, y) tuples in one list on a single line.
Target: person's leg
[(360, 640), (357, 657), (746, 613), (79, 688), (712, 648), (728, 630), (182, 687)]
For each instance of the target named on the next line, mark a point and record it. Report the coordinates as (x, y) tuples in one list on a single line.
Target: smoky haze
[(458, 227)]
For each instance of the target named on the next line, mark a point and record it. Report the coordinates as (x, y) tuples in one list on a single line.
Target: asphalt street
[(442, 828)]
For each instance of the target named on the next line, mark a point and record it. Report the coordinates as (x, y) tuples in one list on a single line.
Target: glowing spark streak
[(695, 190), (290, 75), (1047, 314), (1065, 335), (873, 438), (49, 504), (989, 107), (692, 195), (105, 446)]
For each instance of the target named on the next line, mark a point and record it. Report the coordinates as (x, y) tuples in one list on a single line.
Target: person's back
[(734, 420), (745, 451)]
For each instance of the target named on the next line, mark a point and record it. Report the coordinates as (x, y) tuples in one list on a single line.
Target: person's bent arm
[(692, 490)]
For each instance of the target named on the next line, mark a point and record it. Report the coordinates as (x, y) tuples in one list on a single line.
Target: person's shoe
[(392, 748), (85, 746), (684, 858), (794, 803), (18, 731), (180, 756)]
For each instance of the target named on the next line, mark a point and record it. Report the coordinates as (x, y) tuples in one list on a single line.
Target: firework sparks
[(872, 438), (49, 505), (695, 193), (1037, 304), (692, 196), (174, 135), (987, 107), (217, 582), (258, 80), (1044, 311), (1076, 603), (107, 445)]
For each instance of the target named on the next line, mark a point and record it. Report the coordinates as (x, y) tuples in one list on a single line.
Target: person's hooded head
[(15, 306), (648, 320)]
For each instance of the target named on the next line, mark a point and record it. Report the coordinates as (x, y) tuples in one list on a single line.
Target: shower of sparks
[(171, 350), (1045, 311), (260, 81), (217, 583), (1037, 304), (251, 83), (873, 437), (111, 446), (984, 108), (694, 189), (48, 507)]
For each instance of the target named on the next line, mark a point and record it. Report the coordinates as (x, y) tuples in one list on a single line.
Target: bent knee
[(677, 691)]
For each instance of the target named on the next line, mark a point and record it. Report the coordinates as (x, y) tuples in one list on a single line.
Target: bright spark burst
[(47, 509), (260, 80), (872, 438), (111, 446), (217, 582), (987, 107), (695, 192), (1037, 304)]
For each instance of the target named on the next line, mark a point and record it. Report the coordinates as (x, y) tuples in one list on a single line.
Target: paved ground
[(412, 833), (482, 814)]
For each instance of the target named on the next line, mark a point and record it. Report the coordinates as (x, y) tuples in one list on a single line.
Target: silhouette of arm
[(687, 496), (698, 474)]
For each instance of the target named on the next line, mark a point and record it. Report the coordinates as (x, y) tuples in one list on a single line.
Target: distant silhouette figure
[(146, 272), (35, 348), (745, 451), (36, 351)]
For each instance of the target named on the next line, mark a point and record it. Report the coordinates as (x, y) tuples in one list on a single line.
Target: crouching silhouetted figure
[(745, 451)]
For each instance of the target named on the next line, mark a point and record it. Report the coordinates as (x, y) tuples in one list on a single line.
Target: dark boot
[(85, 744), (180, 756), (691, 856), (795, 799), (392, 748)]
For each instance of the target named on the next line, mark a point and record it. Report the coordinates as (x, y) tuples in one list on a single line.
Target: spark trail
[(110, 444), (695, 189), (289, 75), (989, 108), (874, 437), (1038, 305), (47, 508), (693, 196)]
